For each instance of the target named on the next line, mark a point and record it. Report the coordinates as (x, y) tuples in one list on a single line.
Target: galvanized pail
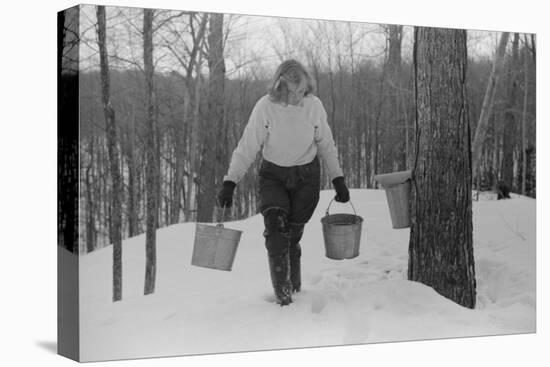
[(215, 246), (397, 186), (398, 202), (342, 234)]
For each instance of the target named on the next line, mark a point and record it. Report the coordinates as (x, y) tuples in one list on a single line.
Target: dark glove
[(342, 192), (225, 196)]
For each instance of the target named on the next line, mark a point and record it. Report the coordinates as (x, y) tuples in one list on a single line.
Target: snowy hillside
[(363, 300)]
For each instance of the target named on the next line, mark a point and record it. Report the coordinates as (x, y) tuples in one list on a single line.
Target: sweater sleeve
[(325, 144), (249, 145)]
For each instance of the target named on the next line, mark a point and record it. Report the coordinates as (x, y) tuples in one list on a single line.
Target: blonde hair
[(289, 71)]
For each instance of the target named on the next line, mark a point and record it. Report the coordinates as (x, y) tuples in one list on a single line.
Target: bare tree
[(488, 101), (90, 219), (187, 51), (441, 245), (394, 141), (510, 130), (533, 49), (152, 174), (112, 146), (68, 115), (524, 119), (129, 152), (211, 162)]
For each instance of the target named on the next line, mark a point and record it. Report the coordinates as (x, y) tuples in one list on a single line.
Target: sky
[(255, 44)]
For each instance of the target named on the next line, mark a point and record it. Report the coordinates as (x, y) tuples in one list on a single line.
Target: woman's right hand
[(225, 196)]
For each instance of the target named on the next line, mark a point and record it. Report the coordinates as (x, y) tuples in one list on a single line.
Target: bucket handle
[(354, 212), (220, 224)]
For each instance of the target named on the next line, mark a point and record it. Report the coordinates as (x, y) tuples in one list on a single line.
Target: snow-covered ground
[(363, 300)]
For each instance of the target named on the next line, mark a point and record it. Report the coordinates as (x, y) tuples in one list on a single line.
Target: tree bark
[(510, 130), (524, 120), (191, 145), (394, 140), (441, 244), (377, 139), (112, 146), (151, 174), (194, 145), (533, 49), (179, 168), (133, 175), (90, 219), (211, 160)]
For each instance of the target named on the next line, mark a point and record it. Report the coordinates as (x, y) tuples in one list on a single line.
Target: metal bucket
[(397, 186), (398, 202), (215, 246), (342, 234)]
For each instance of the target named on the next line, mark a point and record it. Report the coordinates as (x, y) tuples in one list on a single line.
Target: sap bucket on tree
[(397, 186), (342, 234), (215, 246)]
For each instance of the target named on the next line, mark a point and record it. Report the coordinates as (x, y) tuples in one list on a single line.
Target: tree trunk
[(194, 145), (441, 245), (533, 49), (488, 101), (510, 130), (112, 146), (177, 186), (158, 149), (191, 62), (191, 139), (524, 120), (376, 135), (133, 174), (90, 220), (394, 138), (151, 174), (211, 160)]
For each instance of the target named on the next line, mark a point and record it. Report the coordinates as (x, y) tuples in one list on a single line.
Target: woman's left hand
[(342, 192)]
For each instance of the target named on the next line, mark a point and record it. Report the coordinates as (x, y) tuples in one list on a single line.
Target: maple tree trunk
[(441, 244)]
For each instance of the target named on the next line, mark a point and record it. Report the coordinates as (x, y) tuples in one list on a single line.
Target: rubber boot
[(295, 273), (279, 267)]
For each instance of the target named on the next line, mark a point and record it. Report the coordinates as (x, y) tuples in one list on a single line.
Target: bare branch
[(131, 62), (158, 60), (165, 21), (128, 21), (180, 59)]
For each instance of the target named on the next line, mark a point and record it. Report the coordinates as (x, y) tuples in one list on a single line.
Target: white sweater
[(288, 136)]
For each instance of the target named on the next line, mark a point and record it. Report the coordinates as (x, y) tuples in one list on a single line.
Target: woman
[(289, 125)]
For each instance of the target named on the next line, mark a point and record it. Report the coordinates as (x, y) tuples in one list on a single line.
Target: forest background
[(364, 77)]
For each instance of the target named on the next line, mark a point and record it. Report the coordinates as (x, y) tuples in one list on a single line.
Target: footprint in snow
[(318, 303), (109, 321), (315, 279), (269, 298), (169, 316), (357, 329)]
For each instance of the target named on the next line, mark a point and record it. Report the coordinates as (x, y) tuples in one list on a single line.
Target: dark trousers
[(288, 198)]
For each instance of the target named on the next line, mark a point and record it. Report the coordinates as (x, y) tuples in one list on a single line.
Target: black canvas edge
[(68, 325)]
